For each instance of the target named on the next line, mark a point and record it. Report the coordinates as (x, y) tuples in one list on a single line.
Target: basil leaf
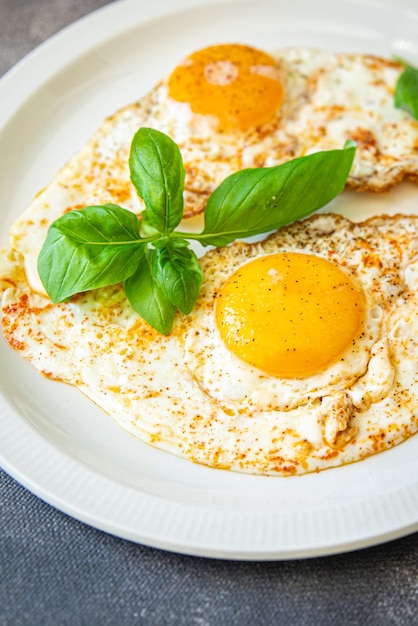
[(406, 91), (176, 269), (254, 201), (146, 229), (157, 171), (147, 298), (94, 247)]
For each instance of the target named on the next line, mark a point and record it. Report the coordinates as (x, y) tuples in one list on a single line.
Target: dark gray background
[(55, 570)]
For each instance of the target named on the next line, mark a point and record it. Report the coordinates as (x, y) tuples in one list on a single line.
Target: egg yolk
[(289, 314), (237, 84)]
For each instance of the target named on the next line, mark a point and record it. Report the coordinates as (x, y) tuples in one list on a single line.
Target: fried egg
[(301, 353), (230, 107)]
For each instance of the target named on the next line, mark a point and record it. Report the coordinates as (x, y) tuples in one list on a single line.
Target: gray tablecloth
[(55, 570)]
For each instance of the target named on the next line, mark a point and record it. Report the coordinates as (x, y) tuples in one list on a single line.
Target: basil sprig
[(104, 245), (406, 91)]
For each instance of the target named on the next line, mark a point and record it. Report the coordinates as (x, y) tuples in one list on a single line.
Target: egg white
[(236, 384)]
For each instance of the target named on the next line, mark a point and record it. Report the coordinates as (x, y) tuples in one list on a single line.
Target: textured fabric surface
[(57, 571), (24, 24)]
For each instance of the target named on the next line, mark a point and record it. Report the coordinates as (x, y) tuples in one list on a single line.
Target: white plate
[(59, 445)]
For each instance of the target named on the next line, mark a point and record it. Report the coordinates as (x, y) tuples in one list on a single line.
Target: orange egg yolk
[(237, 84), (289, 314)]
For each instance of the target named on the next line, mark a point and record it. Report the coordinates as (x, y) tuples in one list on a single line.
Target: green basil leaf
[(406, 91), (254, 201), (146, 229), (147, 298), (87, 249), (176, 269), (157, 171)]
